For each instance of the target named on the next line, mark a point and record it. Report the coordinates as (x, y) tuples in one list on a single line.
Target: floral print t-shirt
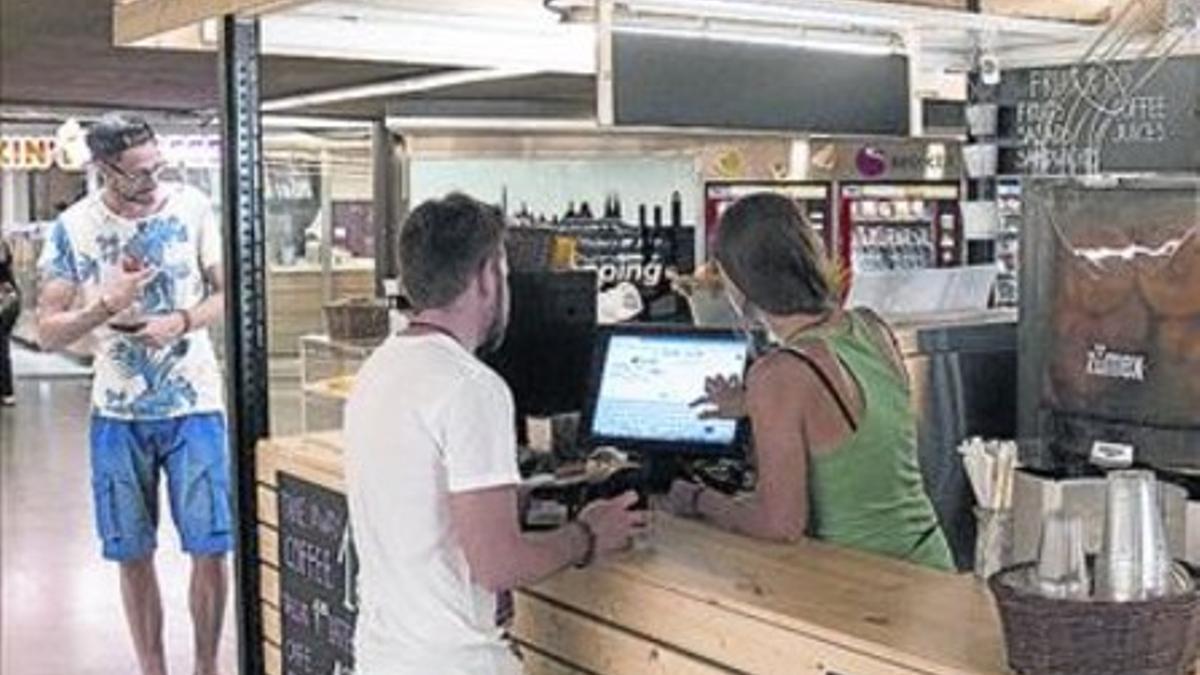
[(88, 244)]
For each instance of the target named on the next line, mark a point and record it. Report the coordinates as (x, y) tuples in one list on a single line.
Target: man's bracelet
[(187, 320), (589, 553)]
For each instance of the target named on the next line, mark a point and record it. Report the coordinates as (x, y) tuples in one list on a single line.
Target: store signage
[(884, 160), (192, 150), (67, 150), (649, 275), (318, 601), (1096, 118), (1114, 365), (27, 153)]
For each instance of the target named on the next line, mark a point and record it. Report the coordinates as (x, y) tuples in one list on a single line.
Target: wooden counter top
[(725, 600), (695, 599)]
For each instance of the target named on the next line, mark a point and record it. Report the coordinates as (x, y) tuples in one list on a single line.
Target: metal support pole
[(326, 216), (387, 194), (245, 310)]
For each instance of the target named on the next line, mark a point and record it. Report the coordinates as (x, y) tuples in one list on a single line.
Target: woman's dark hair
[(115, 133), (767, 249), (443, 244)]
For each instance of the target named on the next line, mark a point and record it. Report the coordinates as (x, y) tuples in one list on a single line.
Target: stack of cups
[(1062, 570), (1135, 563)]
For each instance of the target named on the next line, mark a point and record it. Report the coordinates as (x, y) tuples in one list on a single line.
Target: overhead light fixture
[(492, 123), (774, 40), (400, 87), (766, 11), (307, 122)]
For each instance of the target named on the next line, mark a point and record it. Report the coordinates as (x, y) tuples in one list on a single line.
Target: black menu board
[(317, 567), (1120, 116)]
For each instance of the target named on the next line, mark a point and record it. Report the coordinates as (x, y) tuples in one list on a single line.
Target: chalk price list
[(318, 597)]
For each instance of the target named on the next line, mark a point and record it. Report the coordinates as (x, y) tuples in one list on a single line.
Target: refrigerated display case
[(815, 200), (899, 226)]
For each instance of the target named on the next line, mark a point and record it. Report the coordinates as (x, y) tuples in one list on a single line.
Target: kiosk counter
[(690, 599)]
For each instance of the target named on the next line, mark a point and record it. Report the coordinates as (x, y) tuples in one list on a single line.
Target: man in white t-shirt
[(138, 266), (431, 465)]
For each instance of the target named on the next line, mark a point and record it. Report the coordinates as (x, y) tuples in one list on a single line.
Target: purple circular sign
[(871, 162)]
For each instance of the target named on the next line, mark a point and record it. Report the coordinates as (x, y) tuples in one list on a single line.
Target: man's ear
[(485, 279)]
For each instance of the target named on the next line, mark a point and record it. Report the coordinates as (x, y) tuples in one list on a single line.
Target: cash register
[(638, 427)]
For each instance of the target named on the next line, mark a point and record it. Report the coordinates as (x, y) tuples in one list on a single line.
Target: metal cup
[(1061, 565), (1134, 563)]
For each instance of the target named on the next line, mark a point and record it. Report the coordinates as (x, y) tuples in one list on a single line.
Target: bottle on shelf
[(644, 233)]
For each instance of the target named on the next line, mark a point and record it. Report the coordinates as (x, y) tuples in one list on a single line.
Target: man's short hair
[(115, 133), (443, 245)]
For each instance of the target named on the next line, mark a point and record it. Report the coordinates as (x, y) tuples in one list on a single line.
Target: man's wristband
[(589, 552), (187, 321)]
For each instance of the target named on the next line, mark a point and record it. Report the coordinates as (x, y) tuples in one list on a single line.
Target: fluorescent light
[(766, 12), (407, 85), (305, 122), (859, 48), (430, 38), (492, 123)]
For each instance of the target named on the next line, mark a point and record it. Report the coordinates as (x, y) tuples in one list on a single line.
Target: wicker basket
[(357, 319), (1044, 636)]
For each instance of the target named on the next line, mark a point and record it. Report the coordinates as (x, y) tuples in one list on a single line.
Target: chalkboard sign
[(317, 595), (1072, 120), (661, 80)]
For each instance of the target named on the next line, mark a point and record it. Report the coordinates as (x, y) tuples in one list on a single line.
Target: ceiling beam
[(138, 20)]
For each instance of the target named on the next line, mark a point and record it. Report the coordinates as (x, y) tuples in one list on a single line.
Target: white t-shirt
[(87, 244), (425, 419)]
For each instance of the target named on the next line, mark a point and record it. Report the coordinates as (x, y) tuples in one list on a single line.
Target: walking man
[(137, 265)]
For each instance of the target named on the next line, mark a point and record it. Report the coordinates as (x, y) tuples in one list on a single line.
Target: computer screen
[(644, 379)]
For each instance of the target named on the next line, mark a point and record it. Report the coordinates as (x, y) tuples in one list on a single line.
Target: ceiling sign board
[(675, 81), (1075, 120)]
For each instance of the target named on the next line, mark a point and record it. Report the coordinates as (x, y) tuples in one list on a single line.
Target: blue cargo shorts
[(127, 459)]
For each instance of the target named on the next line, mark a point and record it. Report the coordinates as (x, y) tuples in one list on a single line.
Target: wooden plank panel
[(268, 506), (597, 647), (272, 659), (272, 624), (265, 456), (133, 21), (1085, 11), (535, 662), (710, 631), (269, 585), (856, 603), (313, 474), (268, 546)]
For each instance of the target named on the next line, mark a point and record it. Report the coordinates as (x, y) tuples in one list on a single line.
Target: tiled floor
[(60, 609)]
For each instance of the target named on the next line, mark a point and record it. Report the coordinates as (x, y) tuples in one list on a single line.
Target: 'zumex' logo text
[(1104, 363)]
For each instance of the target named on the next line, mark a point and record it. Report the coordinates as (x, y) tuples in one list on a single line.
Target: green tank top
[(867, 493)]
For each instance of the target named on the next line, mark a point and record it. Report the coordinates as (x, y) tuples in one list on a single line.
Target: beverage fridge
[(815, 200), (899, 226)]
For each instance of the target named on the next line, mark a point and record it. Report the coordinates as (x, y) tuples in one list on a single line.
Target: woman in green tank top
[(833, 428)]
